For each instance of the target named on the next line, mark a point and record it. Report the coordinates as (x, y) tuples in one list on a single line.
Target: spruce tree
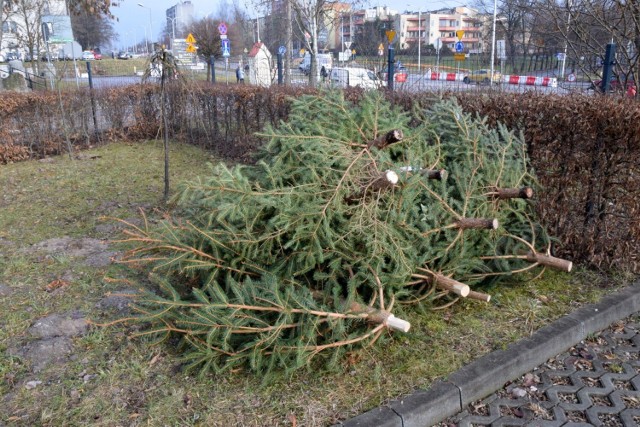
[(347, 212)]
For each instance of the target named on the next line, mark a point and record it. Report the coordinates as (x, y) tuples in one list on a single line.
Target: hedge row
[(585, 150)]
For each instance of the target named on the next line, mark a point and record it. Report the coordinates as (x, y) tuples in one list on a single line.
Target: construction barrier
[(450, 77), (530, 80)]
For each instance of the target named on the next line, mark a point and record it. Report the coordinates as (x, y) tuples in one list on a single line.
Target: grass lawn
[(109, 379)]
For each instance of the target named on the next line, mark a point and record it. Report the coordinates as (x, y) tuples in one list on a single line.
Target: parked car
[(616, 84), (12, 56), (87, 55), (97, 55), (354, 77), (124, 55), (482, 77)]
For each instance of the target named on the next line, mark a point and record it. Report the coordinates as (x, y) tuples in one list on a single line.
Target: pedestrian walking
[(240, 74)]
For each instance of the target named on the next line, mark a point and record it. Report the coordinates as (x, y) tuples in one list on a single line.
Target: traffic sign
[(459, 47), (390, 35), (347, 44), (226, 48), (380, 52), (190, 38), (222, 28), (459, 34), (282, 50), (459, 56), (381, 47), (191, 48)]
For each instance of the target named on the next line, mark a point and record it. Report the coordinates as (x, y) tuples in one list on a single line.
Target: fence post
[(93, 99), (280, 77), (609, 62), (391, 67)]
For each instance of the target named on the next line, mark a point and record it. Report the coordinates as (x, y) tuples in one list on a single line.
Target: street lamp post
[(173, 30), (150, 23), (419, 41), (493, 40)]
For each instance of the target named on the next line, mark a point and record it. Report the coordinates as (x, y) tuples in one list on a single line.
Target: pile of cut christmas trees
[(349, 214)]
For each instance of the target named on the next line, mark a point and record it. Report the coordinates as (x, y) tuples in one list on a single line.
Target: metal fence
[(430, 74)]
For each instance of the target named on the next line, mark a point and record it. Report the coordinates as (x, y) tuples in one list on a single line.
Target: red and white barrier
[(450, 77), (530, 80)]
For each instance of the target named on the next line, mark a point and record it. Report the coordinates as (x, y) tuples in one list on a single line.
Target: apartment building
[(179, 17), (442, 24), (22, 25)]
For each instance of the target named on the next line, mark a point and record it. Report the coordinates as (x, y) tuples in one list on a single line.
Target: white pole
[(566, 41), (342, 36), (419, 43), (493, 40)]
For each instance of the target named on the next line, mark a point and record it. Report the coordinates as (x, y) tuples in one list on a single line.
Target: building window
[(9, 27)]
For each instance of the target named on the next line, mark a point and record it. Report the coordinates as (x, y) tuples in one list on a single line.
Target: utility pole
[(419, 41), (289, 44)]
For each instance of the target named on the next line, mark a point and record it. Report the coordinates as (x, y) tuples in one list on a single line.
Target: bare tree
[(30, 13), (588, 26)]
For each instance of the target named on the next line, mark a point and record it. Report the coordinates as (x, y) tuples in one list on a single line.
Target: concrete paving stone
[(630, 417), (579, 379), (490, 372), (378, 417), (509, 421), (611, 308), (425, 408)]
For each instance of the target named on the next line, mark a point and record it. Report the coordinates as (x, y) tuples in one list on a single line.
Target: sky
[(134, 21)]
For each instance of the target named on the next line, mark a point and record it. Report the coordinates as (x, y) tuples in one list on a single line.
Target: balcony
[(448, 28)]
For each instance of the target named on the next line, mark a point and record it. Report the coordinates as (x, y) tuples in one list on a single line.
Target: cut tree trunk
[(388, 138), (512, 193), (440, 174), (374, 315), (550, 261), (477, 223), (449, 284)]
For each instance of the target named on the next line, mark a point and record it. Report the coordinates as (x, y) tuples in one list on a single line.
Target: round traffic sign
[(222, 28), (459, 47), (282, 50)]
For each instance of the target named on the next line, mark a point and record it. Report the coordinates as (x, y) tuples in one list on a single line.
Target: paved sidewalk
[(595, 383), (582, 370)]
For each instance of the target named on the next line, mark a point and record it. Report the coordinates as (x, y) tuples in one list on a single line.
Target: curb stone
[(490, 372)]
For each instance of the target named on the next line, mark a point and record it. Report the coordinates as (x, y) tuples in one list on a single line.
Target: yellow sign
[(190, 38), (390, 35), (191, 48), (381, 47), (459, 56), (460, 33)]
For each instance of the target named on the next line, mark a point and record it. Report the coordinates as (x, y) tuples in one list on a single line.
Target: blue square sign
[(226, 48)]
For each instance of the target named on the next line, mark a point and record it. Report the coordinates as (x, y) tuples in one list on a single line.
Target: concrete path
[(582, 370)]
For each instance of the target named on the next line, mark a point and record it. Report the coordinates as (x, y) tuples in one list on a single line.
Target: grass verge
[(109, 379)]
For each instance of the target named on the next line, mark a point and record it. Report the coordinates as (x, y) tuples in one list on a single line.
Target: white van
[(323, 59), (354, 77)]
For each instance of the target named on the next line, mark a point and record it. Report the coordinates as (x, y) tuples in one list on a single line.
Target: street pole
[(419, 43), (566, 40), (493, 40), (342, 36), (150, 25)]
